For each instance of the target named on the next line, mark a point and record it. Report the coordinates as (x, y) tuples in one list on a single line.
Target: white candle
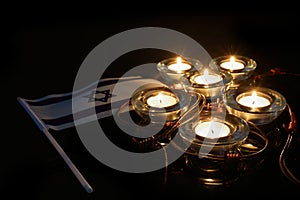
[(212, 129), (161, 101), (179, 66), (206, 78), (254, 101), (232, 65)]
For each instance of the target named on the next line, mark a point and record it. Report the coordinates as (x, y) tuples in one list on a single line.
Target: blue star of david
[(93, 96)]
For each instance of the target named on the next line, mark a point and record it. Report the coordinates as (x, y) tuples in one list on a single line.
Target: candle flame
[(232, 59), (160, 97), (179, 60), (253, 96), (205, 75), (205, 72)]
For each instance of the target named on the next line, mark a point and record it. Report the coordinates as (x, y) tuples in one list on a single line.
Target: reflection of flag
[(55, 111)]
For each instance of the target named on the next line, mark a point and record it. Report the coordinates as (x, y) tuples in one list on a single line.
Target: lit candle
[(161, 100), (179, 66), (207, 79), (253, 101), (232, 64), (212, 129)]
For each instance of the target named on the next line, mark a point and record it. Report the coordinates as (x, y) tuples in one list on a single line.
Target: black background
[(43, 46)]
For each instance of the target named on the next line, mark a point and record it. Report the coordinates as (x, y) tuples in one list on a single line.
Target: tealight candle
[(210, 138), (240, 67), (172, 69), (254, 101), (158, 103), (232, 64), (207, 79), (161, 101), (212, 86), (179, 66), (259, 105), (212, 129)]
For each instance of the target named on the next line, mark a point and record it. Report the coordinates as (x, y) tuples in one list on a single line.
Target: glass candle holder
[(158, 103), (240, 67), (257, 104), (212, 85), (213, 132), (212, 140), (152, 116), (172, 69)]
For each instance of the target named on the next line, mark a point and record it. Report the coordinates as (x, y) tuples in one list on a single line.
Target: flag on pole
[(56, 111)]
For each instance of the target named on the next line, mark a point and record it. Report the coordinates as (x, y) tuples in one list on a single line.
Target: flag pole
[(41, 125)]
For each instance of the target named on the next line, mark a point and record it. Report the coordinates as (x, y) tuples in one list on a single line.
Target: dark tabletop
[(44, 48)]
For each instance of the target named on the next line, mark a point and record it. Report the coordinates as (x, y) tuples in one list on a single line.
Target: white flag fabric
[(55, 111)]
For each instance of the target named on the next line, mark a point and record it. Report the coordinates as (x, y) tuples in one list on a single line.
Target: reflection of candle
[(179, 66), (232, 64), (206, 78), (161, 101), (212, 129), (254, 101)]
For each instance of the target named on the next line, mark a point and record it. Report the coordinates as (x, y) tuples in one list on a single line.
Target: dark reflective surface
[(44, 50)]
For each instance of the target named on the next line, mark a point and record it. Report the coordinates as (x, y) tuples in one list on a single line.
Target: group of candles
[(205, 81), (209, 135)]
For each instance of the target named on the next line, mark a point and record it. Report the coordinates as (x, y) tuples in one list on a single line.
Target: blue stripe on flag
[(85, 113), (60, 98)]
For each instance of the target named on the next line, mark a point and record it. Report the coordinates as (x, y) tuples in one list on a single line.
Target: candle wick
[(253, 102), (212, 131)]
